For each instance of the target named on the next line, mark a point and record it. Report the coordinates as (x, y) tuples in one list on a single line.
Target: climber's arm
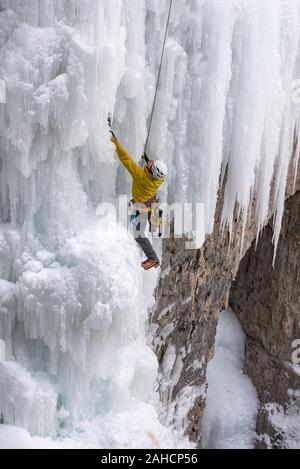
[(134, 169)]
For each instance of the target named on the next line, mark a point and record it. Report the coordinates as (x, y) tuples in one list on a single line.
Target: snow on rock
[(286, 422), (176, 414), (231, 407)]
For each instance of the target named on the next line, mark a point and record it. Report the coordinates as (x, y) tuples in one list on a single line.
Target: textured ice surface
[(77, 360), (26, 402), (225, 102), (231, 407)]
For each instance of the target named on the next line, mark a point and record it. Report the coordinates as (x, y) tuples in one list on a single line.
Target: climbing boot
[(147, 265)]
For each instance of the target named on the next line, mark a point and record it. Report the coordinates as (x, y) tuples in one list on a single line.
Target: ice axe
[(109, 120)]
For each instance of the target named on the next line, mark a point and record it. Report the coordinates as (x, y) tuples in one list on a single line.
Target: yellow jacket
[(144, 185)]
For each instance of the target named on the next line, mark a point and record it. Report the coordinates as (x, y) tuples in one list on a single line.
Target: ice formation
[(72, 307), (231, 407)]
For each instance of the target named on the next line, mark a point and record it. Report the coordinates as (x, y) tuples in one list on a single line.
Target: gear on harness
[(155, 215)]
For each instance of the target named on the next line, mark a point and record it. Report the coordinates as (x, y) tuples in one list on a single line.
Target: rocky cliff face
[(194, 288), (267, 302)]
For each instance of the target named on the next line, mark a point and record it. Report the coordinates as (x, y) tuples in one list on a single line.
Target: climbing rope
[(159, 74)]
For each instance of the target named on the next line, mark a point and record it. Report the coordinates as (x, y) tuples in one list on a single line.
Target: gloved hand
[(113, 137), (145, 158)]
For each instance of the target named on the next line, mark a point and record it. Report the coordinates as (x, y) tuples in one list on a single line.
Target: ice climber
[(146, 182)]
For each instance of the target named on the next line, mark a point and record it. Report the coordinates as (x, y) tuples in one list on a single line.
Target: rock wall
[(194, 288), (267, 302)]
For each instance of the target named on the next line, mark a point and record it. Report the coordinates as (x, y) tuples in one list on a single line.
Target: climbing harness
[(155, 214), (159, 74)]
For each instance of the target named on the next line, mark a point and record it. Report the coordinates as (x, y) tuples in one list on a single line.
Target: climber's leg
[(147, 248), (142, 240)]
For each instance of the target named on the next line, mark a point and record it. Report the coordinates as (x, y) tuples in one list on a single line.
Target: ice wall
[(72, 306), (72, 311), (226, 104)]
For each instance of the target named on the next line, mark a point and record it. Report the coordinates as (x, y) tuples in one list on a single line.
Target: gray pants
[(141, 238)]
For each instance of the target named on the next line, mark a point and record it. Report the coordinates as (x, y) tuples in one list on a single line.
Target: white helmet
[(159, 170)]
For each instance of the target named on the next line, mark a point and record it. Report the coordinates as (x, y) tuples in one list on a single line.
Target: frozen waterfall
[(73, 303)]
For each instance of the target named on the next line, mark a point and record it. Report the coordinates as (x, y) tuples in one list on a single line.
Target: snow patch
[(231, 407), (286, 422)]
